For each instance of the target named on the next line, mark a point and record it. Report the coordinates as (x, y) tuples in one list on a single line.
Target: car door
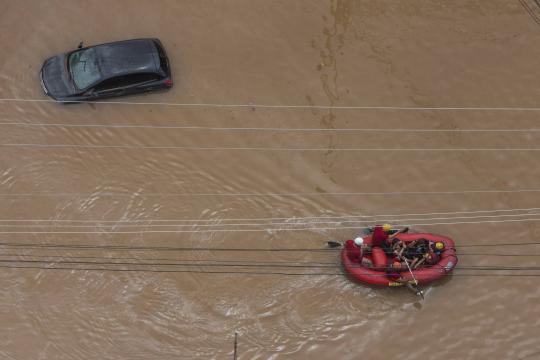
[(126, 84), (115, 86), (147, 82)]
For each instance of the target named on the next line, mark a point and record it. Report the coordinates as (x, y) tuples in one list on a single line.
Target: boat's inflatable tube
[(377, 274)]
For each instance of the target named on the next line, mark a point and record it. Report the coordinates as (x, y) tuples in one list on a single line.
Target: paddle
[(415, 287), (402, 231), (334, 244)]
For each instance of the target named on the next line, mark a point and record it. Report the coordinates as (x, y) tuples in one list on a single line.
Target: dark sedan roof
[(127, 57)]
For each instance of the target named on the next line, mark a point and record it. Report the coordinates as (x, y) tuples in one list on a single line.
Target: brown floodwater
[(86, 300)]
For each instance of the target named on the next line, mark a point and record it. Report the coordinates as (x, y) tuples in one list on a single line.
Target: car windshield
[(84, 68)]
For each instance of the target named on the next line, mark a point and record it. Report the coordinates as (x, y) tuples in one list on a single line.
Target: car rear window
[(163, 63)]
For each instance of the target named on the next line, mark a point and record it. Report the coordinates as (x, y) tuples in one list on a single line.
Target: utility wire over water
[(272, 273), (283, 106), (105, 232), (320, 221), (216, 148), (294, 218), (60, 262), (14, 258), (272, 129), (20, 254), (14, 255), (284, 194), (124, 267), (358, 222)]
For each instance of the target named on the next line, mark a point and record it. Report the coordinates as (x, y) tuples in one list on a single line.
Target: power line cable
[(289, 194), (158, 248), (67, 248), (261, 230), (218, 249), (325, 217), (217, 263), (271, 129), (76, 268), (282, 149), (116, 262), (193, 261), (269, 223), (275, 107)]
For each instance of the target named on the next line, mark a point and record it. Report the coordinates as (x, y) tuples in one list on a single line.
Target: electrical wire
[(217, 263), (325, 217), (102, 269), (271, 129), (275, 107), (282, 149), (219, 249), (266, 224), (260, 230), (300, 194)]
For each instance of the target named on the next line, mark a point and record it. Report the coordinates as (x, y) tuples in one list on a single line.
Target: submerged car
[(107, 70)]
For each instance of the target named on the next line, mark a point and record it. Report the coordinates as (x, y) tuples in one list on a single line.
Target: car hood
[(55, 77)]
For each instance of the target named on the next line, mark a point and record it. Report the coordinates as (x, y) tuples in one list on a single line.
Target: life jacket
[(379, 236)]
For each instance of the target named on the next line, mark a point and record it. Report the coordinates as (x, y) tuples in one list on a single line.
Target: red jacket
[(379, 236), (354, 252)]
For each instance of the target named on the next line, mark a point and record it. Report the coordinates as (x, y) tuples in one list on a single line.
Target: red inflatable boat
[(373, 270)]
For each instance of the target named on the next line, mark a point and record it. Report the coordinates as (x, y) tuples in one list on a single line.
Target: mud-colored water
[(418, 53)]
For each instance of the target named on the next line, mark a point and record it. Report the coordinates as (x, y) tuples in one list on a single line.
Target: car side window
[(126, 80), (144, 77), (112, 83)]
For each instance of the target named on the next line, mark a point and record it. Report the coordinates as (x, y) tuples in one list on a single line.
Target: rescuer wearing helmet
[(439, 247), (355, 249), (359, 241), (433, 256), (382, 238), (360, 245)]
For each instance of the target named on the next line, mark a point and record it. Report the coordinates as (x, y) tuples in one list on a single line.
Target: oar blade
[(334, 244)]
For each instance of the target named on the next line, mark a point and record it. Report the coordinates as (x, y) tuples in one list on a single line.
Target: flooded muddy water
[(113, 213)]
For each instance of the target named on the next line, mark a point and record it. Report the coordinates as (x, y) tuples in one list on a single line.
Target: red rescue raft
[(377, 275)]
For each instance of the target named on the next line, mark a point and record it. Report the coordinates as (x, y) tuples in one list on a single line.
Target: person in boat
[(415, 249), (382, 237), (355, 249), (433, 255)]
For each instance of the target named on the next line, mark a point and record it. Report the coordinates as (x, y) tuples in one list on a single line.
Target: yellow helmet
[(387, 227), (439, 245)]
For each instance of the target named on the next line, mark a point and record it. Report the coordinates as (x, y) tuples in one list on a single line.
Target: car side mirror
[(80, 45)]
